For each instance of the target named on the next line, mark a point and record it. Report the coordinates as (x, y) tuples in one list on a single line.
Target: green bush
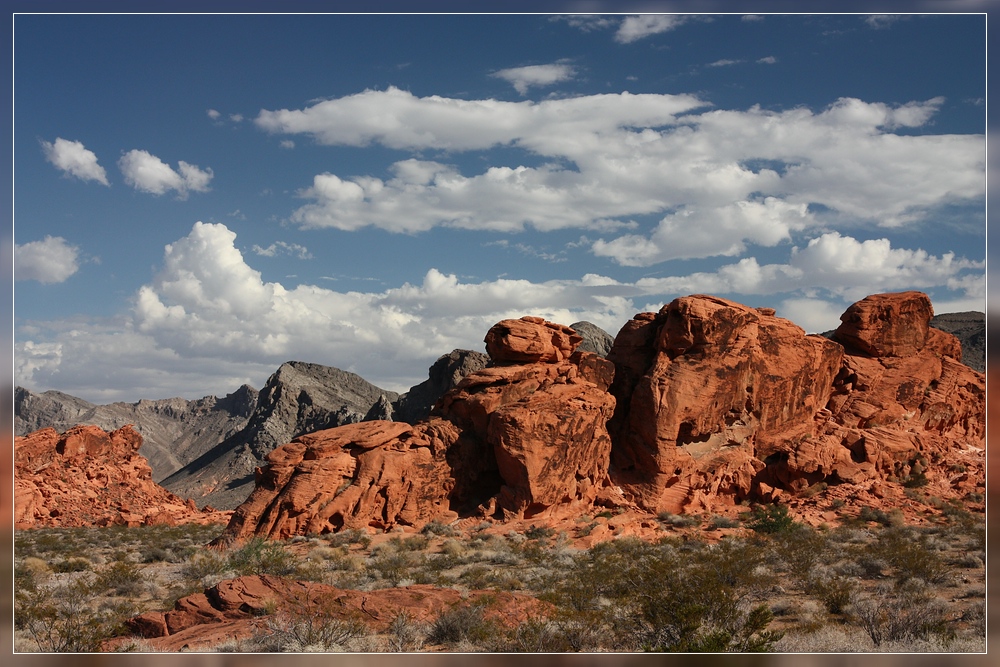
[(121, 577), (770, 519), (437, 528), (262, 556)]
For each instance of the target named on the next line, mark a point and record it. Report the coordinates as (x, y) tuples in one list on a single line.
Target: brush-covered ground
[(762, 582)]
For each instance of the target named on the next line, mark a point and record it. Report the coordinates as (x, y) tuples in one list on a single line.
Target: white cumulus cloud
[(523, 78), (148, 173), (715, 180), (840, 265), (74, 160), (51, 260), (207, 321)]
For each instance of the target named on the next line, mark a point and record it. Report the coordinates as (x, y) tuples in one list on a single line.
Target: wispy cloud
[(51, 260), (283, 248), (73, 159), (148, 173), (880, 21), (634, 28), (523, 78), (723, 63), (767, 60)]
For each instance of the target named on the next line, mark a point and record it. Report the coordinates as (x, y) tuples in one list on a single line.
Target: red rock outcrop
[(710, 389), (91, 477), (719, 402), (235, 609), (697, 407), (913, 415), (519, 438)]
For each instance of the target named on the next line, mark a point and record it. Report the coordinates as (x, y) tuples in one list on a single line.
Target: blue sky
[(200, 198)]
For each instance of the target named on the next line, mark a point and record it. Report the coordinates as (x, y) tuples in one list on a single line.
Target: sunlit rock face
[(91, 477), (701, 405)]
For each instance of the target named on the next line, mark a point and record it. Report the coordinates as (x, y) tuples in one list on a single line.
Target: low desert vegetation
[(763, 582)]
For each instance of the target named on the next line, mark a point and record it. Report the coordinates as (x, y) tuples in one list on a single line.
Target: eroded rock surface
[(710, 389), (90, 477), (239, 608), (513, 439), (699, 406)]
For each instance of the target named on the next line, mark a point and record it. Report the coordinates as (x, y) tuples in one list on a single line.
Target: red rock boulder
[(709, 389)]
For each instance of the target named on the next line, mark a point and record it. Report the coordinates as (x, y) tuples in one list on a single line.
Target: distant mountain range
[(208, 449)]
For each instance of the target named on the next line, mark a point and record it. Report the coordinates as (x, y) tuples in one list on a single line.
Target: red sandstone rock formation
[(711, 388), (703, 404), (912, 415), (233, 609), (718, 402), (516, 439), (91, 477)]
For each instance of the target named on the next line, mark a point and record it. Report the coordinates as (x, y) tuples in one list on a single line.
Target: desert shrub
[(30, 570), (261, 556), (120, 577), (889, 617), (535, 635), (72, 564), (671, 596), (836, 593), (412, 543), (205, 568), (800, 550), (770, 519), (462, 622), (394, 566), (403, 634), (910, 555), (975, 616), (679, 520), (539, 532), (311, 623), (59, 619), (435, 527), (719, 521), (869, 514), (348, 537)]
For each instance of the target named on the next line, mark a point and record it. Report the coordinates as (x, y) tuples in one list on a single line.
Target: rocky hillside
[(700, 406), (298, 398), (174, 431), (91, 477), (442, 376), (970, 329)]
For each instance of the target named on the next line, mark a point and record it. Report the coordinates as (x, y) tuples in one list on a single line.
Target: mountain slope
[(175, 431)]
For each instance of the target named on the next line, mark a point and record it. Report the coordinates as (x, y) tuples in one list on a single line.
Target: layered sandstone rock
[(914, 415), (699, 406), (522, 437), (91, 477), (708, 389)]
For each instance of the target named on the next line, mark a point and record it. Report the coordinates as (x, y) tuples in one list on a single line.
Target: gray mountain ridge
[(174, 430)]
